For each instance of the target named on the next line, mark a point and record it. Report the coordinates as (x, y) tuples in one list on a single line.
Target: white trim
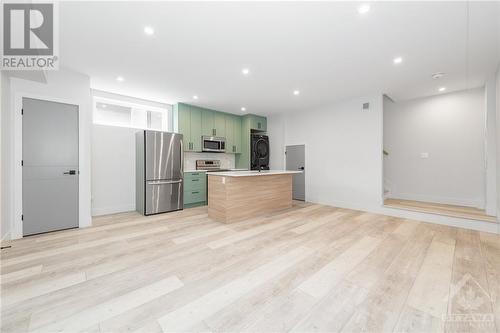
[(16, 228), (112, 210)]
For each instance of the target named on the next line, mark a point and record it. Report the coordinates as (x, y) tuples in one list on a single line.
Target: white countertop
[(253, 173)]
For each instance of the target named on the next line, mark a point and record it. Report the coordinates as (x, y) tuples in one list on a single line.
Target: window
[(123, 113)]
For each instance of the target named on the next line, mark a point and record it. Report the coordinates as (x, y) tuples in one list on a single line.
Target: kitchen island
[(238, 195)]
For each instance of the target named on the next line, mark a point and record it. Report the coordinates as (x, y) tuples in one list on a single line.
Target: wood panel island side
[(238, 195)]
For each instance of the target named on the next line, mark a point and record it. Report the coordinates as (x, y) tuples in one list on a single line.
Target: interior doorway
[(434, 154), (295, 160), (50, 166)]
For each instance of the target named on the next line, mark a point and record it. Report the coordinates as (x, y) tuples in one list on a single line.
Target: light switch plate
[(424, 155)]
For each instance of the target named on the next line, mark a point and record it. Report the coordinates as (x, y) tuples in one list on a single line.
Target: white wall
[(343, 151), (62, 86), (113, 169), (451, 129)]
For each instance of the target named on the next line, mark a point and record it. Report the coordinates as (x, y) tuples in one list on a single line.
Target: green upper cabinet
[(189, 125), (237, 134), (258, 123), (184, 123), (207, 122), (233, 133), (213, 123), (219, 124), (229, 125), (194, 122), (196, 128)]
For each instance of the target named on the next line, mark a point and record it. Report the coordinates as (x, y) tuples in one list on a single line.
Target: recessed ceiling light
[(120, 79), (442, 89), (296, 92), (243, 108), (397, 60), (195, 97), (245, 71), (363, 9), (149, 30)]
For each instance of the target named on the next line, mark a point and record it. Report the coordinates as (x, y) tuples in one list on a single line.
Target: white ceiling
[(325, 49)]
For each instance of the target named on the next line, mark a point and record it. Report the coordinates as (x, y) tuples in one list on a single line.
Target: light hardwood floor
[(310, 268)]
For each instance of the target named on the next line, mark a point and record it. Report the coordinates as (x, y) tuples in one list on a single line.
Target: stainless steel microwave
[(213, 144)]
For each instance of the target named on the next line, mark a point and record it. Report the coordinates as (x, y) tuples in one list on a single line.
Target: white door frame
[(16, 228)]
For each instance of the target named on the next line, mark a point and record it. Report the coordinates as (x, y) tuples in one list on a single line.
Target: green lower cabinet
[(195, 189)]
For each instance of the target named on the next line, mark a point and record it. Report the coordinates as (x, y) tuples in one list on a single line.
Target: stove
[(209, 165)]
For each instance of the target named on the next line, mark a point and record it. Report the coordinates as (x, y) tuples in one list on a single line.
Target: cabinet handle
[(234, 149), (258, 125), (195, 192), (194, 180)]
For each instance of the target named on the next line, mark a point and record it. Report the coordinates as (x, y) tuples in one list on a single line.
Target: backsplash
[(226, 160)]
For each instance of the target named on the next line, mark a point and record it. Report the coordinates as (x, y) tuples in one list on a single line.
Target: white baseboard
[(475, 203), (97, 211)]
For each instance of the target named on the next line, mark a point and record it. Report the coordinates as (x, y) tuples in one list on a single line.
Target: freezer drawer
[(163, 196)]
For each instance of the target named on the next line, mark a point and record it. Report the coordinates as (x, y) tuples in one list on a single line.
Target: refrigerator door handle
[(182, 158), (163, 182)]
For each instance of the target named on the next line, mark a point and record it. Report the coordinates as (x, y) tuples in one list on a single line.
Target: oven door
[(214, 144)]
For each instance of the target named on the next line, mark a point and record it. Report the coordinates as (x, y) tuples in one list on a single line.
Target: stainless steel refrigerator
[(159, 172)]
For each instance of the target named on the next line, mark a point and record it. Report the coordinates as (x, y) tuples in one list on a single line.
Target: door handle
[(70, 172), (164, 182)]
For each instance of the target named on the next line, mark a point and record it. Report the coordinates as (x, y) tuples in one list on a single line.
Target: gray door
[(50, 166), (295, 160)]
